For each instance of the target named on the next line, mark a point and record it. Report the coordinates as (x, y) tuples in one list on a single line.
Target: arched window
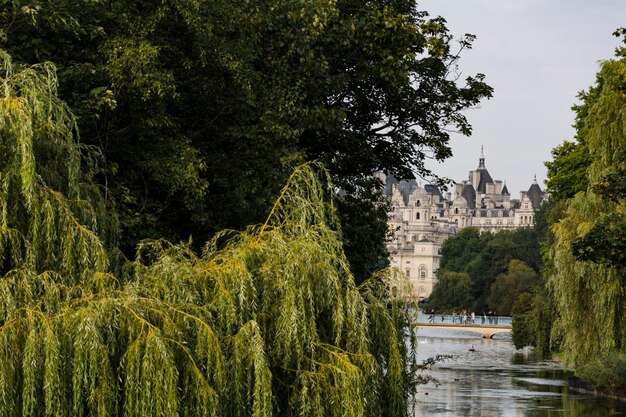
[(417, 216), (422, 292), (417, 203), (456, 210), (423, 272)]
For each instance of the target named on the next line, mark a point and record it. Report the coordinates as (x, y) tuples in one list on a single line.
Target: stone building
[(422, 218)]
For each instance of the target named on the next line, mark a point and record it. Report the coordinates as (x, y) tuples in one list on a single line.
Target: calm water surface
[(497, 380)]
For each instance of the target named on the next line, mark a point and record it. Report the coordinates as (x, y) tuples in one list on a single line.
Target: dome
[(459, 202)]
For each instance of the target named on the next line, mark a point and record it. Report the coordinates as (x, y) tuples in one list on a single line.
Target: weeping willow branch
[(267, 321)]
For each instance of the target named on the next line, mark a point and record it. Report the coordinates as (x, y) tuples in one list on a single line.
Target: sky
[(537, 55)]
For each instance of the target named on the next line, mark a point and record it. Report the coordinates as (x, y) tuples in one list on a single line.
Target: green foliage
[(189, 100), (508, 287), (567, 172), (267, 321), (452, 291), (52, 217), (586, 269), (533, 316), (608, 228), (458, 251), (523, 334), (485, 256), (363, 217), (606, 372)]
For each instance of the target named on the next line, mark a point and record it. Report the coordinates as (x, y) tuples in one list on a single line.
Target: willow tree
[(591, 293), (264, 322)]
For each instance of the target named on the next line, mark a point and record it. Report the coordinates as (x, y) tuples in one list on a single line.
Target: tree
[(508, 287), (363, 216), (485, 256), (267, 310), (53, 216), (452, 291), (189, 101), (585, 279), (459, 250), (567, 172)]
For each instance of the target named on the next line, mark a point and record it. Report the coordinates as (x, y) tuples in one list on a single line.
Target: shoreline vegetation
[(581, 386)]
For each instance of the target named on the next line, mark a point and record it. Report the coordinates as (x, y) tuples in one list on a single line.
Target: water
[(497, 380)]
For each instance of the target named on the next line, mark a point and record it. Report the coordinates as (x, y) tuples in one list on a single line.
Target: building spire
[(481, 161)]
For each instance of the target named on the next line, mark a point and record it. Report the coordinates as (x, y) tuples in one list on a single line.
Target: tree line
[(581, 310), (487, 272)]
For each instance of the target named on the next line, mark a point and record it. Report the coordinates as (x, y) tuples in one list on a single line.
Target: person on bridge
[(431, 318), (443, 315), (473, 318)]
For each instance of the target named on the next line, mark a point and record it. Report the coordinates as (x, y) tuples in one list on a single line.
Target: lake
[(497, 380)]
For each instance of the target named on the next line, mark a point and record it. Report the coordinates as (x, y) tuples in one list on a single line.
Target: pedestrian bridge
[(487, 330)]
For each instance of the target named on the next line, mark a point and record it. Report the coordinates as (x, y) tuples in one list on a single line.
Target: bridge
[(486, 325), (487, 330)]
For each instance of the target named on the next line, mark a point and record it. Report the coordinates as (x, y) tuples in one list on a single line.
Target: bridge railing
[(459, 319)]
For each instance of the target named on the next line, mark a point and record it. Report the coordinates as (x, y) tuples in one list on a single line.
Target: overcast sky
[(537, 55)]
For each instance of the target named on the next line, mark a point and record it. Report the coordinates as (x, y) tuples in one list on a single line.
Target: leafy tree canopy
[(509, 286), (485, 256), (452, 292), (266, 321), (190, 101), (586, 266)]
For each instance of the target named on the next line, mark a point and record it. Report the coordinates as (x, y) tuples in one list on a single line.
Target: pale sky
[(537, 55)]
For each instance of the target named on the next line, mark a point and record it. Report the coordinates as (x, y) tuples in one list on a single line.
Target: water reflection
[(494, 379)]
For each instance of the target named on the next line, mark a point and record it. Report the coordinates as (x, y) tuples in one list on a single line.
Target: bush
[(606, 372)]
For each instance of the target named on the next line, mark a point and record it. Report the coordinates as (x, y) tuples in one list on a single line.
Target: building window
[(407, 272), (456, 210), (417, 216), (423, 272), (417, 203)]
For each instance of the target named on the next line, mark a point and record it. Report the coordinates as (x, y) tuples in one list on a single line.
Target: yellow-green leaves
[(588, 285), (267, 321)]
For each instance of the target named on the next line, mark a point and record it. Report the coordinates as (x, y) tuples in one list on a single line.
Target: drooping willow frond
[(50, 217), (267, 321), (591, 296)]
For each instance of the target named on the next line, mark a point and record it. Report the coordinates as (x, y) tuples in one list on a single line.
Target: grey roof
[(535, 194), (505, 191), (432, 189), (406, 187), (469, 194), (484, 179)]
